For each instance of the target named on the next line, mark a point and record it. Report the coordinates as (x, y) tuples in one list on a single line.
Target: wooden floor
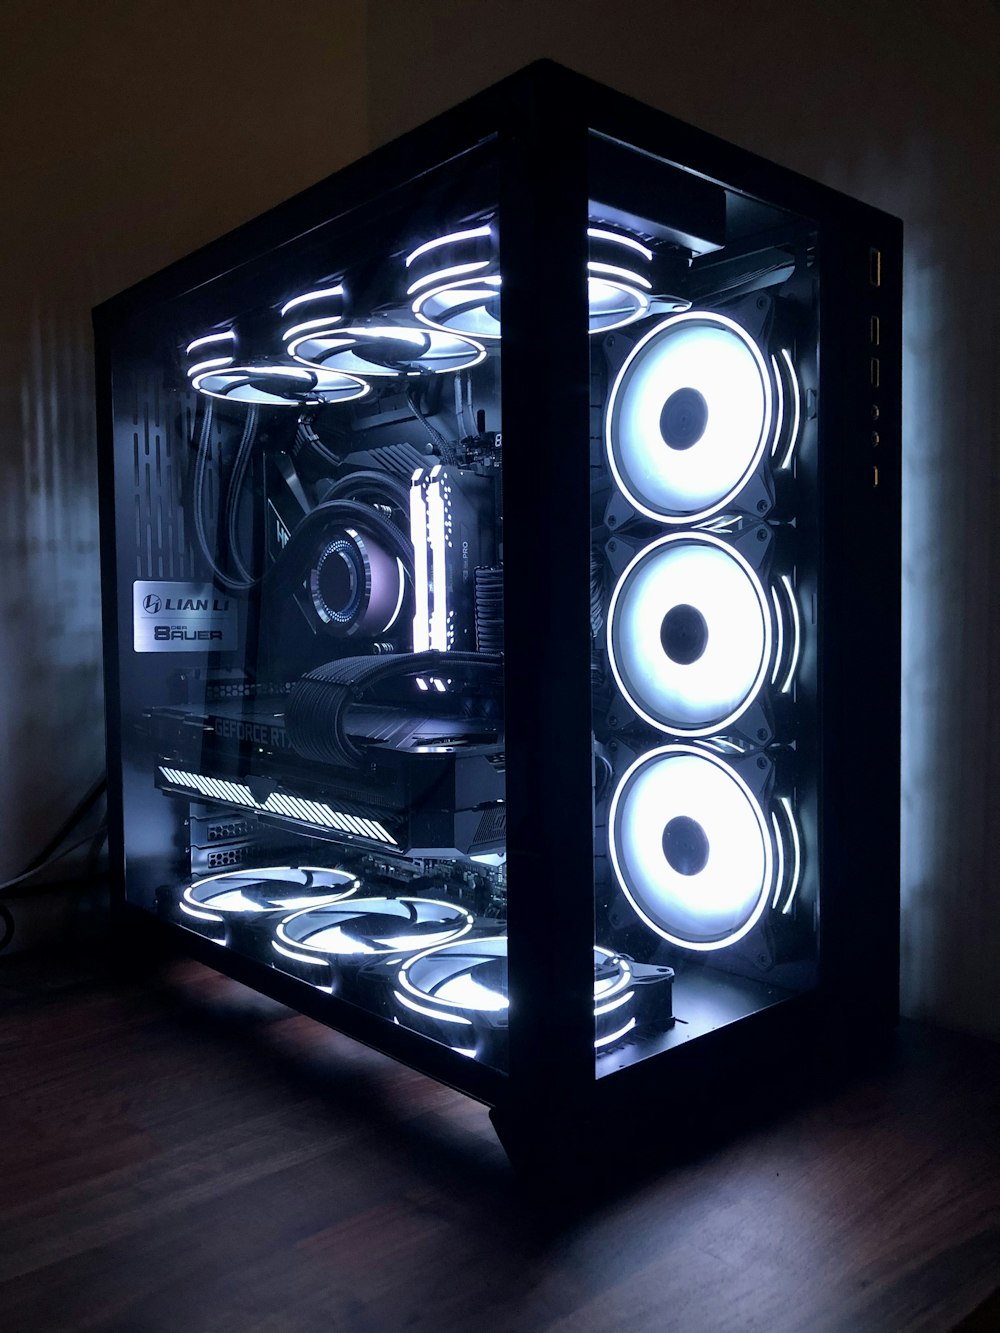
[(182, 1155)]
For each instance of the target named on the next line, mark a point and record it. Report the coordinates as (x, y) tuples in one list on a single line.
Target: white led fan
[(267, 889), (385, 349), (457, 993), (689, 634), (617, 287), (691, 848), (370, 927), (212, 371), (689, 417), (454, 282), (278, 386), (235, 906)]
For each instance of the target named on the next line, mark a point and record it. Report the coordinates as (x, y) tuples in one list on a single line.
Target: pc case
[(501, 589)]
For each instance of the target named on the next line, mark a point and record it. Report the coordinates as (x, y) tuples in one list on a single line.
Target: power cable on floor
[(50, 853)]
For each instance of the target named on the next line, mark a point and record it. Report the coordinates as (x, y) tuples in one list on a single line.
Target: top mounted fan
[(220, 364), (455, 282)]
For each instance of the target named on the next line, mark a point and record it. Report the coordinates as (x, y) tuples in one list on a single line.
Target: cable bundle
[(489, 609)]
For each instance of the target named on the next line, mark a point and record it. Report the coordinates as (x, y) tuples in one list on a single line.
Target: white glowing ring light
[(327, 931), (713, 356), (457, 990), (613, 303), (722, 894), (405, 350), (710, 582), (265, 889), (333, 298), (210, 351), (261, 384), (463, 306)]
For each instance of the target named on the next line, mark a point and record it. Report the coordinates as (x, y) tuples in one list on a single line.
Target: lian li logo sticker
[(183, 617)]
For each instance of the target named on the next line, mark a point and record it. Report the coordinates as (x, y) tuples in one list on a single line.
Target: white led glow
[(713, 355), (333, 932), (283, 372), (796, 408), (613, 304), (779, 873), (421, 578), (337, 941), (466, 992), (705, 695), (416, 337), (451, 238), (297, 329), (199, 899), (485, 1000), (418, 350), (317, 295), (614, 1036), (463, 303), (624, 274), (598, 234), (605, 987), (299, 957), (443, 274), (719, 903), (462, 991), (439, 573), (295, 807), (431, 1013), (210, 364), (202, 916), (793, 887), (233, 384), (779, 622), (614, 1004), (720, 523), (399, 600), (209, 338), (236, 901), (779, 405), (234, 793), (796, 634)]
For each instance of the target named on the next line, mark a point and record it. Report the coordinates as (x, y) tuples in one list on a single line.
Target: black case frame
[(541, 118)]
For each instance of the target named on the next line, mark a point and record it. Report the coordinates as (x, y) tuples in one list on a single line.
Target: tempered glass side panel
[(307, 471), (704, 360)]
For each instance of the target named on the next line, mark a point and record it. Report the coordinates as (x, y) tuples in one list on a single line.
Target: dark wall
[(131, 134)]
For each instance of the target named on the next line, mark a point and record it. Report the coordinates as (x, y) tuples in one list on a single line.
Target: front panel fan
[(689, 634), (691, 848), (689, 417)]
